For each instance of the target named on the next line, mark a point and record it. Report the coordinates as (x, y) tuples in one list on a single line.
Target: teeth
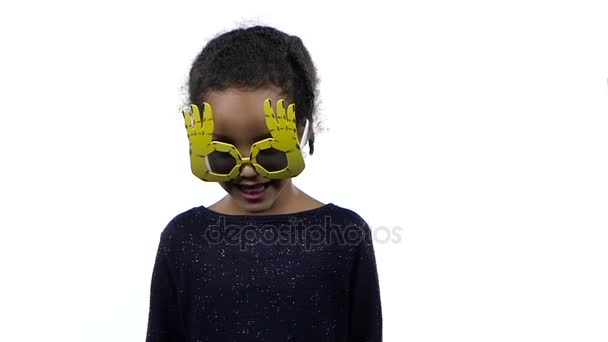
[(258, 187)]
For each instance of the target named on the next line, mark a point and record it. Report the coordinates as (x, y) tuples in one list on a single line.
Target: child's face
[(239, 119)]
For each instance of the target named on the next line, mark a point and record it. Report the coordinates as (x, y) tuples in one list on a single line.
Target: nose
[(248, 171)]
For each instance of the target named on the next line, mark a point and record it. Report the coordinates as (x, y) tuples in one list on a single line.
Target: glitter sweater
[(308, 276)]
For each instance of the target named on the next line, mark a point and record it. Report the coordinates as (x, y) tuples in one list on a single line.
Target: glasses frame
[(294, 164)]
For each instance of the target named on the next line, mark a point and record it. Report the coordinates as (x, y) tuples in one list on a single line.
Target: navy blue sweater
[(309, 276)]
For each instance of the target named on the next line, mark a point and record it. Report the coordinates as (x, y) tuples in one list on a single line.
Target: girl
[(267, 262)]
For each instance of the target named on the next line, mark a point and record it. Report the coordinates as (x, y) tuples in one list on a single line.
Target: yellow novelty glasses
[(277, 157)]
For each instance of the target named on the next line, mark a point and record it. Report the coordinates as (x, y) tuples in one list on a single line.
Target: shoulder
[(348, 216), (353, 228), (182, 224)]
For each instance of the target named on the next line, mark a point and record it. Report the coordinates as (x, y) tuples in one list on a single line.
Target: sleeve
[(365, 305), (164, 319)]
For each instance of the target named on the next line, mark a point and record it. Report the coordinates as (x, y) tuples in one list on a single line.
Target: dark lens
[(221, 162), (272, 159)]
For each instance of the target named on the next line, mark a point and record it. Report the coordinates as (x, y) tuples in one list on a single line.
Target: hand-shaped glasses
[(277, 157)]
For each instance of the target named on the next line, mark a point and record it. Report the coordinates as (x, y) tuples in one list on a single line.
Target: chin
[(255, 208)]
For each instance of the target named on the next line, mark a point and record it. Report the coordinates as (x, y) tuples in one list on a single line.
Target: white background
[(479, 128)]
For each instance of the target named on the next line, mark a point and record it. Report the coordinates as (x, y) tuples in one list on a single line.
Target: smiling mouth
[(252, 189)]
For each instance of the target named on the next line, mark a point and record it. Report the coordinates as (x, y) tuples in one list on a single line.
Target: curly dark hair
[(256, 57)]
